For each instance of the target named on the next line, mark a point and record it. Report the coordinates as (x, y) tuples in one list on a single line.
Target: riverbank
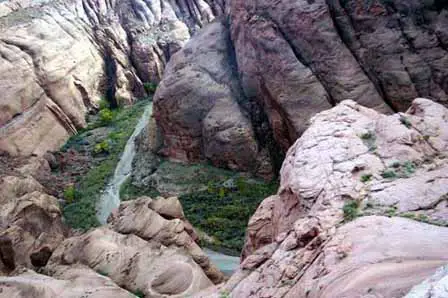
[(110, 197), (86, 163), (217, 202)]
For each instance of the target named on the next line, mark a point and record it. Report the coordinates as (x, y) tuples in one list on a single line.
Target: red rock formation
[(292, 59)]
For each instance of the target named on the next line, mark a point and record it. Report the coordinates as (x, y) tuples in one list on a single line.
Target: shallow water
[(110, 199), (227, 264)]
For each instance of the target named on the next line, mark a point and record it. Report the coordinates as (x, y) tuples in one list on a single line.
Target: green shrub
[(366, 177), (351, 210), (409, 167), (103, 104), (139, 294), (70, 194), (106, 116), (150, 88), (389, 174), (369, 139), (101, 148), (368, 136), (391, 211)]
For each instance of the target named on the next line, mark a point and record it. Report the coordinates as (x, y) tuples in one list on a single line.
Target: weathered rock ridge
[(58, 58), (277, 63), (391, 172), (148, 247)]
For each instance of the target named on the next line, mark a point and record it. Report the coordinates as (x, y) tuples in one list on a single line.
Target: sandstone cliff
[(277, 63), (58, 58)]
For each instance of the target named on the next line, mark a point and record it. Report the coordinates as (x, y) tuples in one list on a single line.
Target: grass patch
[(389, 174), (106, 116), (351, 210), (80, 213), (223, 210), (129, 191), (392, 211), (424, 218), (70, 194), (399, 170)]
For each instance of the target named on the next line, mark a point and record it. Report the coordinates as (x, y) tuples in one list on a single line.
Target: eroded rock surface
[(58, 58), (76, 281), (353, 162), (148, 247), (162, 221), (30, 220), (133, 263), (292, 59)]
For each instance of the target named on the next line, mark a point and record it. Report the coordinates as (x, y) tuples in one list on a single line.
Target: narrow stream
[(110, 199)]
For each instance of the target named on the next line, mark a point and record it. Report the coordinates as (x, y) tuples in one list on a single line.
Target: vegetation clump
[(70, 194), (150, 87), (389, 174), (405, 121), (366, 177), (351, 210), (399, 170), (369, 139), (106, 116), (129, 191), (223, 209)]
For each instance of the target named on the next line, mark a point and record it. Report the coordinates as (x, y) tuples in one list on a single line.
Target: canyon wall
[(59, 58), (277, 63)]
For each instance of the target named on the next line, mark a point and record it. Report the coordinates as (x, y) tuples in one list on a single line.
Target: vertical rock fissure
[(110, 68), (261, 126), (412, 49), (364, 67), (302, 60)]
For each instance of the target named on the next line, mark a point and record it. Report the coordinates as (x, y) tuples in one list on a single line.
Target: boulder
[(162, 221), (12, 187), (31, 229), (132, 263)]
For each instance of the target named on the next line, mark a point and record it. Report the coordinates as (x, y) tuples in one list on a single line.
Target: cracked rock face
[(294, 59), (390, 171), (59, 58)]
